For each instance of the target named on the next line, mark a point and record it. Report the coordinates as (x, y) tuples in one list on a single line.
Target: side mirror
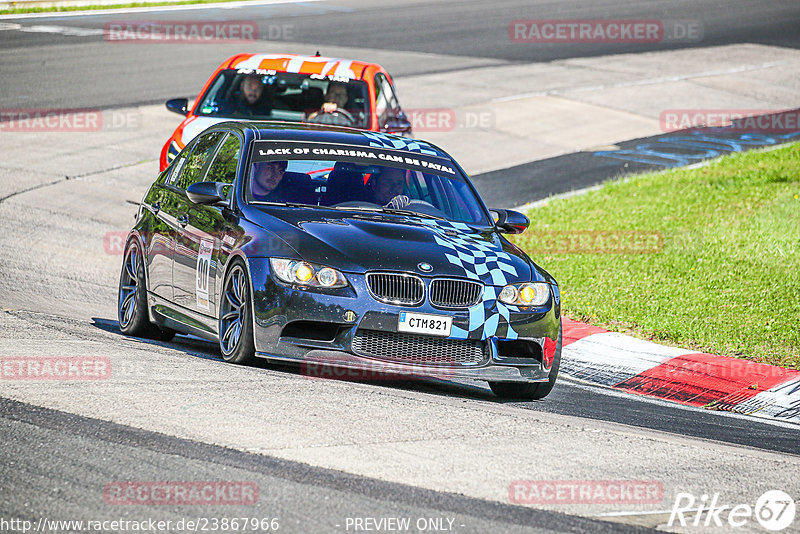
[(207, 193), (398, 124), (179, 106), (510, 221)]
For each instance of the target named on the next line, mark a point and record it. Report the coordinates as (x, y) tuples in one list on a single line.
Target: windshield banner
[(364, 155)]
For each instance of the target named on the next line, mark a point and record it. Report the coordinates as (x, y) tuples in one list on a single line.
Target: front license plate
[(420, 323)]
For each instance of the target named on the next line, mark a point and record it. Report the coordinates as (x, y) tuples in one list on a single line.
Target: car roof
[(347, 68), (295, 131)]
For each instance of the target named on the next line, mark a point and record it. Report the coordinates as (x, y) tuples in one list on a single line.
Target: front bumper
[(317, 330)]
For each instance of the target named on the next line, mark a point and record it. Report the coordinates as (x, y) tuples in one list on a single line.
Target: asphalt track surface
[(306, 499), (42, 445), (38, 75)]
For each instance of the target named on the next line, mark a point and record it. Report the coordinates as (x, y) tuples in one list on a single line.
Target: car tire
[(530, 391), (132, 298), (235, 321)]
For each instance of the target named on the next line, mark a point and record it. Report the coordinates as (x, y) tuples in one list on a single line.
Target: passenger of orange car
[(250, 99)]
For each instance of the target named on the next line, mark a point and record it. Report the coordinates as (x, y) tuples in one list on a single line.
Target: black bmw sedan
[(339, 249)]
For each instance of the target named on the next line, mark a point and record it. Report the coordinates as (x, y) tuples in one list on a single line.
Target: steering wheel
[(419, 206), (334, 117), (411, 202)]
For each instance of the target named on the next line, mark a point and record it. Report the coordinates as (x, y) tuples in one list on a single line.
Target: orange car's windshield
[(258, 94)]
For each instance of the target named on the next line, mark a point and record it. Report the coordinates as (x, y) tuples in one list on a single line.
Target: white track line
[(187, 7)]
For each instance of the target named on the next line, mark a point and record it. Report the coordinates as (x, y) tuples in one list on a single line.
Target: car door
[(391, 117), (162, 201), (194, 242), (210, 228)]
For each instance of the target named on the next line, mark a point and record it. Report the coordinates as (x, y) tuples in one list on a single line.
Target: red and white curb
[(597, 356)]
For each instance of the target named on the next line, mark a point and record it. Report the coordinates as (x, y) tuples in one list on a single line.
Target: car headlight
[(526, 294), (306, 274)]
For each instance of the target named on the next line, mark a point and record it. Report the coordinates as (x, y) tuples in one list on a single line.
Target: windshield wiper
[(395, 211), (289, 204)]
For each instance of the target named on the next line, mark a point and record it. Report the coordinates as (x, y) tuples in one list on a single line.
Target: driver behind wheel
[(336, 97), (388, 188)]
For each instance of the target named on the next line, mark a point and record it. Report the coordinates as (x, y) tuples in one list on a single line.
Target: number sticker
[(203, 272)]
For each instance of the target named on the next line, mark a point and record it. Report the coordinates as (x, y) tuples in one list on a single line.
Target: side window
[(378, 89), (197, 160), (380, 98), (389, 94), (418, 187), (386, 100), (223, 168), (176, 168)]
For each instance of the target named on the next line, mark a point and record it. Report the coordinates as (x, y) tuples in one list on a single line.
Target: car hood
[(363, 241)]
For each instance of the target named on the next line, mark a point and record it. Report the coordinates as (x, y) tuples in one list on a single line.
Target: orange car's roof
[(347, 68)]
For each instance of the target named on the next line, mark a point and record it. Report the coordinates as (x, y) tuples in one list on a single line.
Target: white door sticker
[(203, 272)]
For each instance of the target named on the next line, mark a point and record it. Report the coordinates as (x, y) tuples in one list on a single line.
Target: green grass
[(727, 279), (23, 10)]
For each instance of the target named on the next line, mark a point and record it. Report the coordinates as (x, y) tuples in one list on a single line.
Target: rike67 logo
[(774, 511)]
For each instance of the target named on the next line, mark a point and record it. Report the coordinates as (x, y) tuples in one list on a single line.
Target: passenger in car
[(270, 182), (250, 99)]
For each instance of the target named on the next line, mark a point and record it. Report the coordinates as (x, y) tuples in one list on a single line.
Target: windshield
[(362, 178), (269, 95)]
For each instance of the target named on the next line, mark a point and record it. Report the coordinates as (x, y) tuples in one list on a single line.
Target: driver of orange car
[(335, 100)]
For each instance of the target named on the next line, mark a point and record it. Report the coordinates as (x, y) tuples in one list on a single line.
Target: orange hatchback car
[(313, 89)]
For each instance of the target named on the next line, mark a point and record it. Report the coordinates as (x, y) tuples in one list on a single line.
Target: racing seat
[(312, 99), (300, 188), (345, 184)]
